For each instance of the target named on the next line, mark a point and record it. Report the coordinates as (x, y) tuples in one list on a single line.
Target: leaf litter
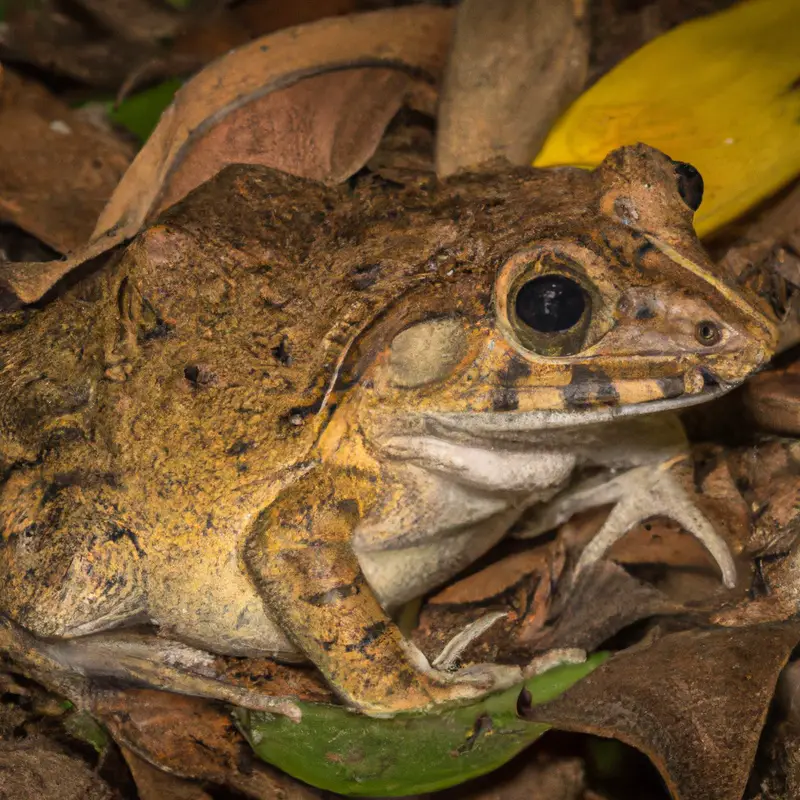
[(696, 665)]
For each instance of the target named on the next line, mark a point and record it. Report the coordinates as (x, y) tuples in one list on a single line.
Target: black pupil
[(550, 304), (690, 184)]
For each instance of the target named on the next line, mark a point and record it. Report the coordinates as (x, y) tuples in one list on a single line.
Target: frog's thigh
[(214, 605), (68, 566)]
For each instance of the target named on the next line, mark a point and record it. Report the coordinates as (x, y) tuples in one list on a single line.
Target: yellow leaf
[(721, 92)]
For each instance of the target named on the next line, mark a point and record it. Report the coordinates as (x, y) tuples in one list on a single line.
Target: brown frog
[(287, 409)]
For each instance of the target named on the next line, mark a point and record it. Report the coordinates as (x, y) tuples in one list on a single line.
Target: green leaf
[(140, 112), (342, 751), (85, 727)]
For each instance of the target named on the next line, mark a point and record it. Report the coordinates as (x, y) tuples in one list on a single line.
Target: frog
[(286, 409)]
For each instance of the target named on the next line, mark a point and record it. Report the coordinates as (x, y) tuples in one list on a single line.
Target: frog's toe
[(471, 682), (554, 658), (451, 652), (657, 493)]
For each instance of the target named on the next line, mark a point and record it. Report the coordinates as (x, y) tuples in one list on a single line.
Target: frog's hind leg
[(74, 667), (71, 562)]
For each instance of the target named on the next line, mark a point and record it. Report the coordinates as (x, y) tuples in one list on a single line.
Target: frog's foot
[(652, 491), (494, 677), (69, 665)]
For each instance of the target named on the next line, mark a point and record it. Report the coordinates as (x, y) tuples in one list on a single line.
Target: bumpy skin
[(288, 408)]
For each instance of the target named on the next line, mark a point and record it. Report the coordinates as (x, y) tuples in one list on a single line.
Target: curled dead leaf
[(225, 103), (695, 702)]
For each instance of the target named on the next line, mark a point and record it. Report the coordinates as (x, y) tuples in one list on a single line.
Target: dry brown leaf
[(325, 128), (695, 702), (413, 40), (520, 584), (265, 16), (514, 66), (42, 34), (155, 784), (192, 738), (57, 171), (138, 21), (605, 600), (211, 33), (778, 764), (34, 769), (773, 400)]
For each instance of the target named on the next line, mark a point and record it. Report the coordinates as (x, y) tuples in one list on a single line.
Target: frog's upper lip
[(492, 423)]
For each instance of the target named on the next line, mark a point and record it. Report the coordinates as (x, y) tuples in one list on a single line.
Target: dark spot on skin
[(348, 507), (671, 387), (160, 330), (239, 447), (644, 312), (199, 376), (371, 634), (297, 414), (63, 435), (516, 369), (64, 480), (115, 532), (283, 352), (505, 399), (588, 388), (365, 276), (333, 595), (794, 86)]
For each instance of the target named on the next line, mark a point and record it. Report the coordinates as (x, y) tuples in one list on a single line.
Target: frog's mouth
[(496, 424)]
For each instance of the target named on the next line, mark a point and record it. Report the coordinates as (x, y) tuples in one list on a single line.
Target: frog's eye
[(550, 303), (550, 313), (690, 184)]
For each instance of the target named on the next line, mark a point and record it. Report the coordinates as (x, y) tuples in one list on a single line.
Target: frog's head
[(602, 305)]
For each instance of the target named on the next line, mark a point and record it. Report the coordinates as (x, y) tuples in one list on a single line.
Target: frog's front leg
[(300, 556), (637, 494), (653, 491)]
